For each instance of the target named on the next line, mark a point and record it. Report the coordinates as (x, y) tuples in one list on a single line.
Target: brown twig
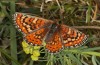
[(87, 27), (95, 13)]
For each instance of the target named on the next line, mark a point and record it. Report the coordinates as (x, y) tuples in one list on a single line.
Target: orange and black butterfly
[(57, 36)]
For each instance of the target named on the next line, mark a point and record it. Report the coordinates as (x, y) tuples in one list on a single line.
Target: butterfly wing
[(33, 28), (54, 44), (27, 23), (36, 38), (72, 37)]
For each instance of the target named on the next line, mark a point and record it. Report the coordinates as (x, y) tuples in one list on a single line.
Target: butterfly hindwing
[(54, 44), (36, 37)]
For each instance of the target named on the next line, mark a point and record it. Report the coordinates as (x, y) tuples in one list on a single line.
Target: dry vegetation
[(81, 14)]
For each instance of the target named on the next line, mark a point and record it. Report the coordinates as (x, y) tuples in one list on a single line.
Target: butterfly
[(57, 36)]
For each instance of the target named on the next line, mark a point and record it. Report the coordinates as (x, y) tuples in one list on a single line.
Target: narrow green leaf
[(84, 63), (13, 43), (11, 58), (92, 49), (88, 13), (61, 59), (31, 62), (68, 61), (73, 58), (83, 52), (97, 60), (91, 53), (93, 60)]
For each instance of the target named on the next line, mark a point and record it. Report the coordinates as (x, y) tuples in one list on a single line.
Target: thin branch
[(95, 13), (87, 27)]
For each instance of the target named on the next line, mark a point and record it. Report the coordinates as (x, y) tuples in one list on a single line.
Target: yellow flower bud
[(35, 58), (36, 53), (31, 50), (34, 50), (36, 47), (26, 50), (24, 44)]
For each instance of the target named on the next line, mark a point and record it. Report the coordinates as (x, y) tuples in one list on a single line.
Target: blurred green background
[(83, 15)]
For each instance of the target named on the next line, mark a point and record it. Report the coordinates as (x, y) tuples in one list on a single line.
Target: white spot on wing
[(69, 39), (34, 21), (73, 39), (65, 41), (69, 31)]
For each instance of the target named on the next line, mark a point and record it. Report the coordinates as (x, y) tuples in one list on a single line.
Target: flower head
[(33, 50), (24, 44), (35, 58), (36, 53)]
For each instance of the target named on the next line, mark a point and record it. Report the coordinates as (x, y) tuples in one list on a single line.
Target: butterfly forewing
[(27, 23)]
